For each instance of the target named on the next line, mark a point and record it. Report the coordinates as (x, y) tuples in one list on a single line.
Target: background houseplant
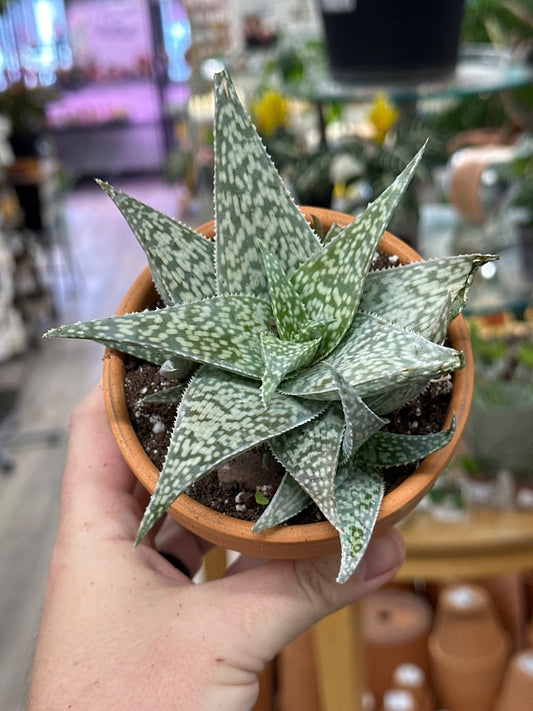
[(299, 346), (503, 30), (25, 107), (345, 172), (501, 418)]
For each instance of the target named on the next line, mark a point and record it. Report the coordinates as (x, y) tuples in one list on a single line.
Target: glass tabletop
[(480, 69)]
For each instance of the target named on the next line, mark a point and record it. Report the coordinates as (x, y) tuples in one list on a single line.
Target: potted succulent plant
[(277, 333)]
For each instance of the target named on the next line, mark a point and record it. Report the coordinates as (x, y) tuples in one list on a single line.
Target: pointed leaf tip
[(251, 202), (181, 260), (289, 312), (311, 454), (330, 283), (359, 496), (281, 358)]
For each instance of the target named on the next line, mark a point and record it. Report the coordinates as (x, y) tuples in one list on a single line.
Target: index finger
[(97, 484)]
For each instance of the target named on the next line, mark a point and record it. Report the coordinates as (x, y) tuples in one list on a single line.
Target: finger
[(242, 563), (293, 595), (141, 494), (174, 540), (97, 485)]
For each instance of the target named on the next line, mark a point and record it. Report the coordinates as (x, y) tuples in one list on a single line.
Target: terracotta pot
[(517, 688), (398, 700), (469, 649), (411, 677), (396, 626), (466, 183), (304, 541), (507, 592)]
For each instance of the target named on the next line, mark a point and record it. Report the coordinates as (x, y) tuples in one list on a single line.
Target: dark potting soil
[(235, 487)]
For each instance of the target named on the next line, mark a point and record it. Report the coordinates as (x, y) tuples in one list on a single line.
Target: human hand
[(122, 628)]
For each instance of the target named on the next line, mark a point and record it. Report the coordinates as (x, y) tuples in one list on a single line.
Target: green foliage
[(481, 14), (498, 431), (261, 499), (470, 464), (507, 26), (294, 64), (504, 367), (521, 178), (310, 170), (525, 355), (289, 342), (25, 107), (447, 492), (468, 113)]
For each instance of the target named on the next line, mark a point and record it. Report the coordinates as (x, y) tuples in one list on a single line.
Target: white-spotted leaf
[(360, 421), (282, 357), (359, 494), (410, 295), (251, 203), (181, 260), (311, 455), (288, 501), (388, 449), (360, 359), (220, 416), (389, 400), (222, 331), (177, 368), (289, 312), (344, 262), (168, 395)]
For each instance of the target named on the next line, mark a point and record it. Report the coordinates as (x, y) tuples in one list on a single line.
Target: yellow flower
[(270, 112), (383, 116)]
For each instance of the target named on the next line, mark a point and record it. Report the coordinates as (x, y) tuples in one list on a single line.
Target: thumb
[(283, 598)]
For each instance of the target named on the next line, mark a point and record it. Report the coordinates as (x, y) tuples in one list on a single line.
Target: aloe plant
[(289, 340)]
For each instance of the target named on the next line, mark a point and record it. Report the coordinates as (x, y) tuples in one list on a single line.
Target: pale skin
[(123, 629)]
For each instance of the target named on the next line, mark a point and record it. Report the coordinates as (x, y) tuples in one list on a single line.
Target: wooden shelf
[(488, 542)]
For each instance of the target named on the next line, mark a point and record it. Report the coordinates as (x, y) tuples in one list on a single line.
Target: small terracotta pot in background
[(509, 596), (517, 688), (302, 541), (412, 678), (507, 592), (396, 625), (468, 648), (468, 167)]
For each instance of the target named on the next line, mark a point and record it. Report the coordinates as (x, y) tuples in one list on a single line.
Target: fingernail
[(384, 553)]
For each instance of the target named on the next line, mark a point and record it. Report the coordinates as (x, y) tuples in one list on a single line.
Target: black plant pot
[(392, 40), (25, 145)]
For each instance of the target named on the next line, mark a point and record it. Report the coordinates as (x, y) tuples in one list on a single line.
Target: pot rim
[(286, 541)]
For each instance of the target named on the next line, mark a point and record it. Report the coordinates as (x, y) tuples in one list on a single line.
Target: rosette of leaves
[(287, 338)]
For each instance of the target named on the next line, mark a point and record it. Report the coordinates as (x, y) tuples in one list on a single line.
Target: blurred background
[(121, 90)]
